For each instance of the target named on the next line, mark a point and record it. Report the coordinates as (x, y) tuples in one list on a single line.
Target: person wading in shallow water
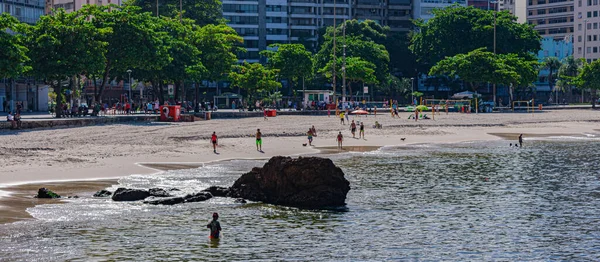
[(521, 140), (215, 227)]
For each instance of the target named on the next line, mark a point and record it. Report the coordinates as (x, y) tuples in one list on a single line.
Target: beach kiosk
[(316, 95), (170, 113)]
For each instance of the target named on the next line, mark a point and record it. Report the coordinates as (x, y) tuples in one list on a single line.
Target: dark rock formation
[(126, 194), (308, 182), (165, 201), (46, 193), (240, 201), (103, 193), (198, 197), (158, 192), (217, 191)]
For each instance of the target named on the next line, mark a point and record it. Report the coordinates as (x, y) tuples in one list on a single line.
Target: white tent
[(465, 94)]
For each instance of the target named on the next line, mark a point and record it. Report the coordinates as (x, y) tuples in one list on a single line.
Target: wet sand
[(21, 197)]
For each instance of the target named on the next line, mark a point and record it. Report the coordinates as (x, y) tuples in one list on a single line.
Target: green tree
[(568, 70), (202, 12), (293, 61), (218, 44), (134, 41), (255, 79), (517, 72), (13, 54), (459, 30), (589, 77), (394, 86), (551, 63), (61, 47)]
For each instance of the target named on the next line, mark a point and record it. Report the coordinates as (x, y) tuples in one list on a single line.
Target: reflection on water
[(471, 201)]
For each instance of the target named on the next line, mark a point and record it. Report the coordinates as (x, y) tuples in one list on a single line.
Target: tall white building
[(587, 30)]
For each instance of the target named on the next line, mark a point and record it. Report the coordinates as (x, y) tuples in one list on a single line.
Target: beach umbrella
[(422, 108), (360, 112)]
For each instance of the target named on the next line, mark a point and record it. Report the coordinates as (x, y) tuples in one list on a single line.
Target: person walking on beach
[(258, 140), (340, 139), (521, 140), (310, 136), (353, 129), (362, 130), (215, 227), (215, 141)]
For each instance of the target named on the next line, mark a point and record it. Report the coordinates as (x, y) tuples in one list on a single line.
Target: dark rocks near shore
[(126, 194), (217, 191), (158, 192), (103, 193), (306, 182), (46, 193)]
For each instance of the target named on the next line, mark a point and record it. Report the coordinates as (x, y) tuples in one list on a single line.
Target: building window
[(589, 14), (579, 3), (589, 2), (595, 13), (579, 38), (595, 25), (595, 49), (595, 38), (579, 27), (17, 11), (589, 39), (579, 50), (595, 2), (589, 50), (589, 26)]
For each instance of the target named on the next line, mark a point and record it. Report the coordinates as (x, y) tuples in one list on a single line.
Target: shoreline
[(86, 155)]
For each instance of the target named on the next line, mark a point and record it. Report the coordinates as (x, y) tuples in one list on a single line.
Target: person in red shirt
[(215, 141)]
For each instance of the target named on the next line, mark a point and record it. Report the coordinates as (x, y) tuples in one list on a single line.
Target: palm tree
[(552, 64), (568, 70)]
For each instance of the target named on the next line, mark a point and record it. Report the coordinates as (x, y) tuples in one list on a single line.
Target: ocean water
[(458, 202)]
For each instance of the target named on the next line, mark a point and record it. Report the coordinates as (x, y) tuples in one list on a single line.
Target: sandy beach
[(38, 157)]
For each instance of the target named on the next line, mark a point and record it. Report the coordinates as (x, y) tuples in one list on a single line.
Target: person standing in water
[(340, 139), (521, 140), (214, 140), (215, 227), (258, 140)]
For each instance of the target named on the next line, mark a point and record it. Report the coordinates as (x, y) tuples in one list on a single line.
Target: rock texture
[(103, 193), (217, 191), (307, 182), (197, 197), (126, 194), (158, 192), (46, 193)]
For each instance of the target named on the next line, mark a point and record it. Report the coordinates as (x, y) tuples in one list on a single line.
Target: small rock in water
[(126, 194), (103, 193), (158, 192), (73, 196), (198, 197), (46, 193), (217, 191), (165, 201), (240, 201)]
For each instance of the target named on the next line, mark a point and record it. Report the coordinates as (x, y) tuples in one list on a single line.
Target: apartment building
[(552, 18), (422, 9), (484, 4), (26, 11), (74, 5), (393, 13), (587, 33)]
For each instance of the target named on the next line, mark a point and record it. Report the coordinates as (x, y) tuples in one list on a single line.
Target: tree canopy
[(459, 30), (202, 12), (13, 54), (293, 61), (255, 79)]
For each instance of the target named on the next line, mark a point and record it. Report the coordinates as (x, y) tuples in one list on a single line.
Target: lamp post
[(334, 57), (412, 92), (129, 72), (344, 66), (495, 13), (584, 42)]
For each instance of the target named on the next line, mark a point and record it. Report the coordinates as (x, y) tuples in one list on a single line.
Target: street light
[(495, 13), (412, 92), (129, 72)]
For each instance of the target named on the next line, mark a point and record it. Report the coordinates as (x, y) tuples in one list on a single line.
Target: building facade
[(74, 5), (26, 11), (423, 9), (587, 32), (552, 18)]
